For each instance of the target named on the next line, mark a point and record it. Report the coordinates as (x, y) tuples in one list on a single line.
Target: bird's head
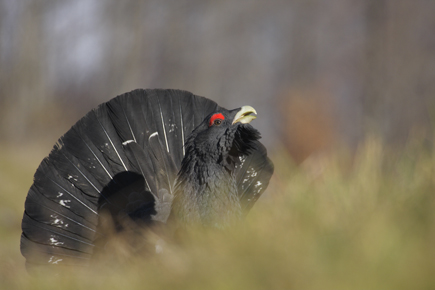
[(224, 134)]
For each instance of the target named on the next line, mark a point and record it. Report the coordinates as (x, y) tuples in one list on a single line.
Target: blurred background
[(320, 74)]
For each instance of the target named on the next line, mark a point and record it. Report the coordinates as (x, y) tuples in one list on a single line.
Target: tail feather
[(100, 130), (126, 119), (42, 254), (71, 169), (165, 169), (81, 147), (173, 120), (57, 237), (161, 187), (46, 211), (49, 183), (139, 159)]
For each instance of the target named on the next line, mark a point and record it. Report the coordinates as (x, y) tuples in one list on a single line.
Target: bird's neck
[(206, 194)]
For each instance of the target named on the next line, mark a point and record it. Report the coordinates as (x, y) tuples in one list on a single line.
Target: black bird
[(149, 157)]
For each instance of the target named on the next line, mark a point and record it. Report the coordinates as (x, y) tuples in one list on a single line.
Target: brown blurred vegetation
[(308, 123)]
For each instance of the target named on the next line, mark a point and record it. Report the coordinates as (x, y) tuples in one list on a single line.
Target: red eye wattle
[(215, 117)]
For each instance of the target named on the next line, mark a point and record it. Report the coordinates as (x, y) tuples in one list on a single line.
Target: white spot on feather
[(55, 242), (72, 177), (56, 220), (54, 260), (171, 128), (250, 173), (63, 202), (127, 142), (152, 135), (258, 187)]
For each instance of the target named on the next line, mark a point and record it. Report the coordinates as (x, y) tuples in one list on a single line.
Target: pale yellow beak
[(245, 116)]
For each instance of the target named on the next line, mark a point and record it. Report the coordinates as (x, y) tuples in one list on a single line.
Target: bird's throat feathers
[(206, 195)]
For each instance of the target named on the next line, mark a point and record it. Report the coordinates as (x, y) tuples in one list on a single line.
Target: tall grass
[(337, 222)]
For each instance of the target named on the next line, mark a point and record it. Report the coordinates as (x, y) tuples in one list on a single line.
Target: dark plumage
[(147, 157), (206, 189)]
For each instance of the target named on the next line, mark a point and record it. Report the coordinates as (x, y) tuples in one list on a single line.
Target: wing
[(253, 175)]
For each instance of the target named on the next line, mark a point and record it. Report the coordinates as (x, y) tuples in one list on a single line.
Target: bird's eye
[(216, 119)]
